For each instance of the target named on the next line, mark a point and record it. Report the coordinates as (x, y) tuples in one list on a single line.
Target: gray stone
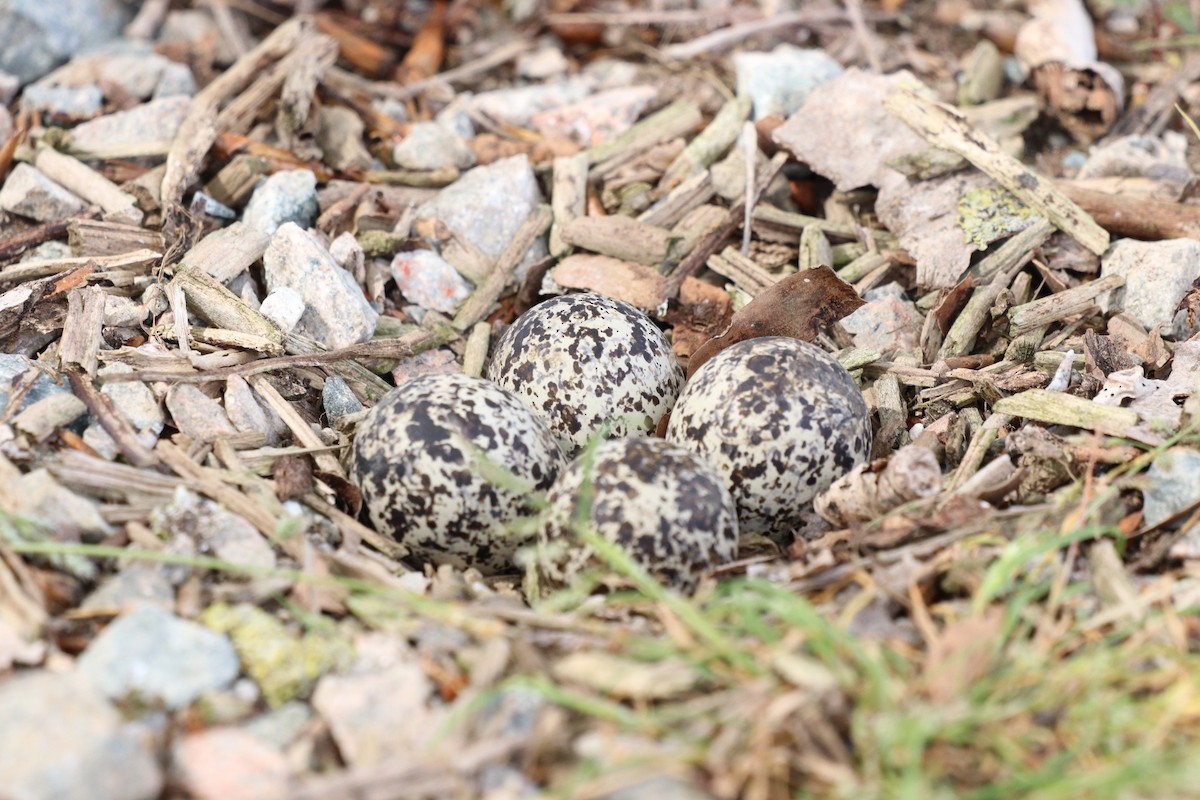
[(29, 193), (175, 79), (134, 401), (780, 81), (1172, 484), (289, 196), (337, 398), (599, 118), (61, 739), (456, 117), (196, 28), (9, 86), (75, 102), (197, 414), (153, 122), (248, 413), (47, 250), (888, 323), (280, 726), (137, 584), (425, 278), (1157, 276), (488, 204), (517, 106), (336, 313), (37, 35), (429, 145), (14, 367), (6, 124), (69, 514), (216, 531), (284, 307), (160, 657)]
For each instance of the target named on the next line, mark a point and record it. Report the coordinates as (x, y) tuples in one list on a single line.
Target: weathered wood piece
[(84, 181)]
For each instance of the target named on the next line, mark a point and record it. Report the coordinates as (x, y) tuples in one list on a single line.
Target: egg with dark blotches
[(445, 464), (585, 361), (665, 506), (780, 420)]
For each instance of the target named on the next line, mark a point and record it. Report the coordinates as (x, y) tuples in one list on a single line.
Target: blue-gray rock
[(430, 145), (61, 739), (488, 204), (12, 366), (780, 81), (336, 311), (279, 727), (338, 400), (175, 79), (38, 35), (29, 193), (160, 657), (289, 196), (1157, 276), (1172, 484), (75, 102)]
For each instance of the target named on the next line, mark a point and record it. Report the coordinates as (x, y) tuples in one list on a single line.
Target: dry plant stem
[(796, 223), (746, 274), (477, 349), (148, 20), (944, 128), (477, 306), (304, 435), (692, 193), (500, 55), (199, 129), (1062, 305), (140, 261), (709, 144), (214, 303), (717, 236), (88, 184), (977, 450), (619, 237), (866, 40), (1064, 409), (568, 198), (89, 237), (122, 433), (1005, 263), (227, 253), (14, 245), (720, 41), (676, 119), (1136, 217)]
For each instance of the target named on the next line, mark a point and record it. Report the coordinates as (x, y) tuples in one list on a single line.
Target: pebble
[(248, 413), (488, 204), (12, 367), (339, 135), (60, 738), (425, 278), (196, 414), (599, 118), (175, 79), (227, 763), (1163, 159), (123, 312), (1172, 484), (29, 193), (216, 532), (196, 30), (37, 35), (134, 401), (888, 323), (1157, 275), (289, 196), (337, 313), (545, 62), (279, 727), (69, 514), (338, 399), (73, 102), (780, 81), (362, 710), (153, 122), (284, 307), (160, 657), (133, 586), (517, 106), (429, 145)]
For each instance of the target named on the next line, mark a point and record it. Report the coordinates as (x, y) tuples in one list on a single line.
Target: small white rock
[(1157, 276), (284, 307)]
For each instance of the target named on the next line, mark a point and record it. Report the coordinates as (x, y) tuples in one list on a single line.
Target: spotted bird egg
[(780, 420), (661, 503), (445, 463), (584, 360)]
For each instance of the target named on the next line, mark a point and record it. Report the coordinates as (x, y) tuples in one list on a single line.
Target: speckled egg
[(660, 502), (583, 360), (780, 420), (445, 463)]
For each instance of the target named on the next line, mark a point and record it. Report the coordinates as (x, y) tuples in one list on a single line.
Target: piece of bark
[(1063, 409), (871, 490), (709, 145), (304, 434), (796, 306), (493, 58), (84, 181), (97, 238), (1057, 45), (227, 253), (677, 119), (692, 193), (359, 51), (139, 261), (212, 302), (200, 128), (15, 245), (745, 273), (945, 128), (81, 338), (424, 57), (234, 183), (1134, 216), (470, 262), (568, 198), (1056, 307), (618, 237)]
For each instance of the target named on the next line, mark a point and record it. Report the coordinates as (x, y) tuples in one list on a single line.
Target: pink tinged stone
[(427, 280)]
